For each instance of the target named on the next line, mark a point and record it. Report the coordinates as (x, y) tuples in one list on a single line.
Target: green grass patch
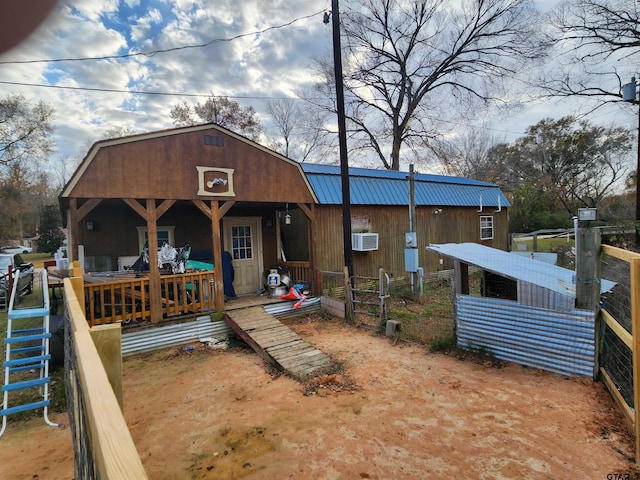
[(443, 343), (37, 259), (57, 394), (402, 315)]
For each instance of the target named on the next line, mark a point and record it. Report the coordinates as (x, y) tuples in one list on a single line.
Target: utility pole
[(629, 95), (342, 138), (411, 261)]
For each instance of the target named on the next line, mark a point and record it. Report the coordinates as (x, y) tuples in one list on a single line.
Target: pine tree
[(51, 235)]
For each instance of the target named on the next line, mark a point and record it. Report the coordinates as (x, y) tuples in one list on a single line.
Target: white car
[(18, 249)]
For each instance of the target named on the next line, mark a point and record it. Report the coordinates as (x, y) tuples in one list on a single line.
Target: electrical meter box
[(411, 259), (410, 240)]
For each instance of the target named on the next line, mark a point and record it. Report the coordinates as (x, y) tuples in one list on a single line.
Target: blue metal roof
[(387, 187), (512, 266)]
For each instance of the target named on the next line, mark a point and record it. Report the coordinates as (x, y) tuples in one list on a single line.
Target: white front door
[(243, 240)]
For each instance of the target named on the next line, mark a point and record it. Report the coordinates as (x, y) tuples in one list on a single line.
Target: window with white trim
[(165, 235), (486, 227)]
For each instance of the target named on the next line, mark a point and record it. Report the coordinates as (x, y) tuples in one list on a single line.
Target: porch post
[(155, 291), (217, 256), (310, 213), (76, 229)]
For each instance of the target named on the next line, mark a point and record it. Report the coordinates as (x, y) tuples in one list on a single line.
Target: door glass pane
[(241, 242)]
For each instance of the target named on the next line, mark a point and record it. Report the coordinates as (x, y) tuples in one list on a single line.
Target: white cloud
[(140, 30), (265, 65)]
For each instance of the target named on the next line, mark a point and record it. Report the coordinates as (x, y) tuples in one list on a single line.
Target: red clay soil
[(393, 412)]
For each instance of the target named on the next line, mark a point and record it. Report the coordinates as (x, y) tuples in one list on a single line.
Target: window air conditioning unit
[(364, 242)]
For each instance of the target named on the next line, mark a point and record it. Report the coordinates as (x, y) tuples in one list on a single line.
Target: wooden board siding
[(164, 166), (453, 225), (115, 229)]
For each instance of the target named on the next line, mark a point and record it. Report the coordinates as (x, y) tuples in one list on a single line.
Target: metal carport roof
[(515, 267)]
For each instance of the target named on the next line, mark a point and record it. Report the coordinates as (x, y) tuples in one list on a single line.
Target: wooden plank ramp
[(276, 343)]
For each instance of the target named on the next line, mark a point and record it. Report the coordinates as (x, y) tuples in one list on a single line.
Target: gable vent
[(213, 141)]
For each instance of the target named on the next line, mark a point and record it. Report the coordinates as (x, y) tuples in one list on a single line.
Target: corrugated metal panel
[(156, 338), (503, 263), (384, 187), (560, 342), (536, 296), (323, 168), (284, 311)]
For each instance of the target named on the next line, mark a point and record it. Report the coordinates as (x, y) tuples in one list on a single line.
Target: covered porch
[(113, 297), (237, 200)]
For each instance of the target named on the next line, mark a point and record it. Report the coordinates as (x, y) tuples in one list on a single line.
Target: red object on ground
[(294, 295)]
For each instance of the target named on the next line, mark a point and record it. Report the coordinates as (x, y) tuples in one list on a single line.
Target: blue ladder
[(27, 351)]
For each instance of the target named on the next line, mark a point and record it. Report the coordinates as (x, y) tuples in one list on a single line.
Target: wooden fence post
[(588, 269), (108, 342), (348, 296)]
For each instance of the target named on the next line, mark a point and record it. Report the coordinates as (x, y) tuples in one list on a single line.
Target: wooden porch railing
[(127, 300), (299, 271)]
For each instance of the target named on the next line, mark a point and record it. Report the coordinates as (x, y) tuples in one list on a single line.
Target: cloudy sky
[(249, 50)]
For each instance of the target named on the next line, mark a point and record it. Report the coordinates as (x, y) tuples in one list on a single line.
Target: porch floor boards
[(276, 343), (250, 300)]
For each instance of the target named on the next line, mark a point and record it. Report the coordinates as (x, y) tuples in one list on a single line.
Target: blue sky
[(252, 68)]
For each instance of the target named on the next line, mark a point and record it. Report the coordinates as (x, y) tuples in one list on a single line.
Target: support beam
[(87, 207), (461, 278), (215, 213), (76, 229), (216, 240), (155, 291), (136, 207), (162, 209), (306, 210)]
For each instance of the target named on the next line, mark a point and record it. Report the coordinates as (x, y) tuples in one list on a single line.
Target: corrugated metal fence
[(561, 342), (202, 329)]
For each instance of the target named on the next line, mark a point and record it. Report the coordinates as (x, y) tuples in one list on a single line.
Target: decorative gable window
[(486, 227)]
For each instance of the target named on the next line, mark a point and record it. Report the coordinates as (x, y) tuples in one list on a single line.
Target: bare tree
[(221, 111), (470, 155), (25, 144), (592, 38), (284, 114), (299, 133), (409, 59), (25, 130)]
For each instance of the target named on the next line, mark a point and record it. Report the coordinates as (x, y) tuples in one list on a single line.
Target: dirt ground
[(394, 412)]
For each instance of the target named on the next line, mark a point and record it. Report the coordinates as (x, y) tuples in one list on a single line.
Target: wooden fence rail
[(102, 443)]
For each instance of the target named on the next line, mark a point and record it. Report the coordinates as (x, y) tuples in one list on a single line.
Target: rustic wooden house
[(219, 192)]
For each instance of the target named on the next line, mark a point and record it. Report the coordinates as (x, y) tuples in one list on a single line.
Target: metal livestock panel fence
[(560, 342), (620, 348)]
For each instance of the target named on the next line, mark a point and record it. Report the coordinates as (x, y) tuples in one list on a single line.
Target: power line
[(208, 95), (141, 92), (152, 53), (146, 92)]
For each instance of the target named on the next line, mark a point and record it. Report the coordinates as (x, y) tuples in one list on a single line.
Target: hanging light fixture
[(287, 217)]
